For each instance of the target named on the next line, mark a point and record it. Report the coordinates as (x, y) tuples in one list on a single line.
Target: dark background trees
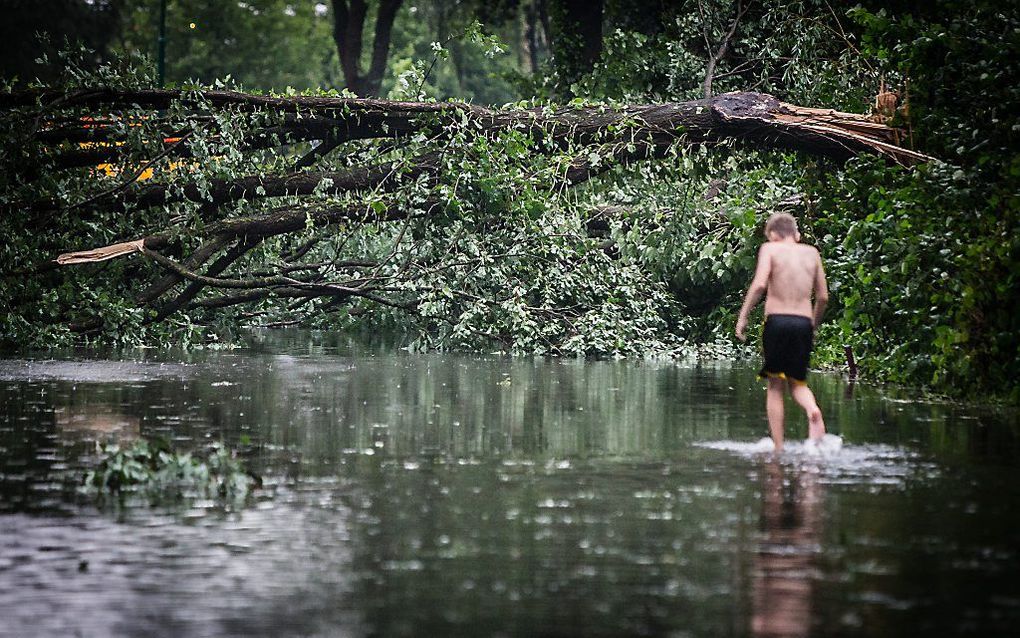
[(23, 21)]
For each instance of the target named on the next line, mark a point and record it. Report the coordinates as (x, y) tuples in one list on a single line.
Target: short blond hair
[(783, 224)]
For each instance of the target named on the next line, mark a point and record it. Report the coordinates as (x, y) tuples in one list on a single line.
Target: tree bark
[(626, 134), (756, 118), (381, 44), (616, 135), (348, 24)]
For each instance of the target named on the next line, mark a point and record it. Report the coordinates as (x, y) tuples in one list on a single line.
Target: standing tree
[(348, 27), (575, 37)]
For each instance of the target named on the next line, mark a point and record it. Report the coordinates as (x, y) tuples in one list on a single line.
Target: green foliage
[(925, 271), (798, 51), (468, 63), (959, 62), (430, 75), (922, 263), (538, 284), (508, 263), (160, 473), (505, 263), (46, 307), (928, 259)]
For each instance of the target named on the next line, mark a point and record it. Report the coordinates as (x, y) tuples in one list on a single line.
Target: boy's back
[(794, 271)]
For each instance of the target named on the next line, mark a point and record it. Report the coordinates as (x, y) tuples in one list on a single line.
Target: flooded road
[(438, 495)]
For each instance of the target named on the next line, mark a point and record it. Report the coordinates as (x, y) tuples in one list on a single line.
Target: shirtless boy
[(790, 272)]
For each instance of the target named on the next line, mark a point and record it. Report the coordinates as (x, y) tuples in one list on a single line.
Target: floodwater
[(443, 495)]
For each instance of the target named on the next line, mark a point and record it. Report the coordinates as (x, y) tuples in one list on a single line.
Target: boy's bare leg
[(806, 398), (774, 410)]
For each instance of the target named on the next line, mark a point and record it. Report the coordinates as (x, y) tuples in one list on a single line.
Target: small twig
[(724, 46)]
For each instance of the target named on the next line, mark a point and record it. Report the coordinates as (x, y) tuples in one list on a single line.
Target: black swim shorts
[(787, 342)]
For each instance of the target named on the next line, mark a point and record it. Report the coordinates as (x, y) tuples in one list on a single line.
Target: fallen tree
[(223, 172)]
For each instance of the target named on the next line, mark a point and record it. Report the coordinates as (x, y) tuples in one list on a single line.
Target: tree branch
[(720, 53)]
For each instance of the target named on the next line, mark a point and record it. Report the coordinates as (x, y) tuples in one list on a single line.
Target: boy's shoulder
[(773, 247), (799, 248)]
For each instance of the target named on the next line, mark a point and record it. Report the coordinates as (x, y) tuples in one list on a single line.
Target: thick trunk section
[(620, 135), (627, 134), (755, 118)]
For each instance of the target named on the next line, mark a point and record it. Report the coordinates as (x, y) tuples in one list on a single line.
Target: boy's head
[(780, 226)]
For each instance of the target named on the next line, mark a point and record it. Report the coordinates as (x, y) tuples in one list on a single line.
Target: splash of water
[(828, 446), (874, 464)]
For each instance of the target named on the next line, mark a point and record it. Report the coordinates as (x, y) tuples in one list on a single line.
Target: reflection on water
[(452, 495), (94, 421), (784, 568)]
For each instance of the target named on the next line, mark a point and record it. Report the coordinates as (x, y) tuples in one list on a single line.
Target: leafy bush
[(156, 470), (925, 274)]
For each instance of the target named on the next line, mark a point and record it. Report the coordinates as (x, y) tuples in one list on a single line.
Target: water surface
[(485, 495)]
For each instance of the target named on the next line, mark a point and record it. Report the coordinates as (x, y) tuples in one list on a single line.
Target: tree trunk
[(754, 118), (348, 28), (381, 45), (623, 135), (348, 23), (529, 37), (576, 38), (613, 135)]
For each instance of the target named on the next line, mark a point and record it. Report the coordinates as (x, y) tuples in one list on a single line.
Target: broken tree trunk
[(626, 134), (753, 117), (619, 135)]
